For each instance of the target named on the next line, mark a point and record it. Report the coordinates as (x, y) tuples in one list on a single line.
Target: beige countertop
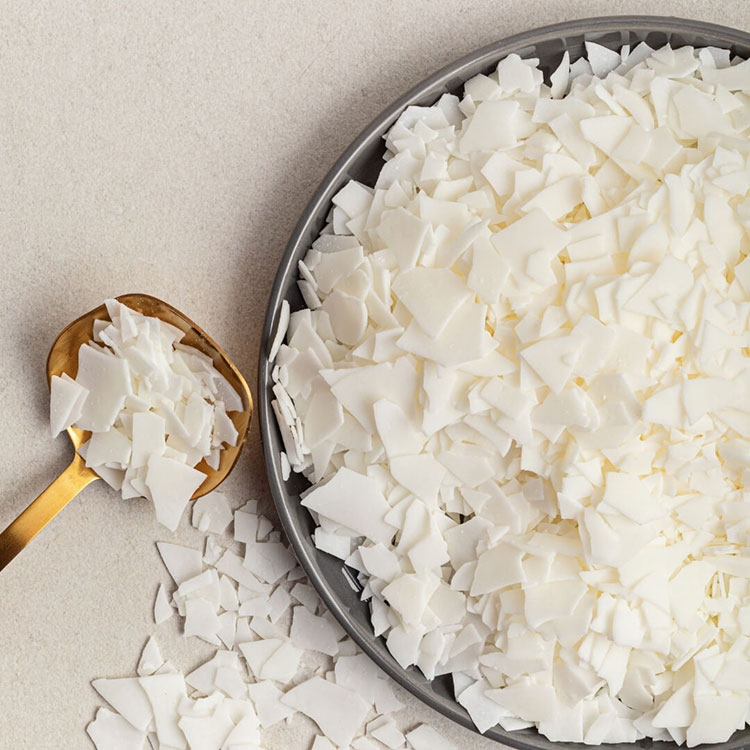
[(149, 146)]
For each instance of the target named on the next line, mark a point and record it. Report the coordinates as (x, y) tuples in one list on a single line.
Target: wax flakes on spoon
[(155, 408)]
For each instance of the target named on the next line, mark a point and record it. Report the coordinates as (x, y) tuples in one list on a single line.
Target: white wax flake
[(245, 526), (224, 711), (485, 713), (108, 382), (354, 501), (492, 127), (109, 731), (266, 698), (313, 633), (148, 437), (207, 731), (165, 691), (281, 329), (151, 658), (426, 738), (201, 620), (172, 484), (602, 59), (182, 563), (212, 513), (127, 697), (432, 296), (385, 730), (65, 402), (361, 676), (156, 408), (270, 561), (338, 712)]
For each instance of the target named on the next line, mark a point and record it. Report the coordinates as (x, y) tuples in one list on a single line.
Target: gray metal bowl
[(362, 161)]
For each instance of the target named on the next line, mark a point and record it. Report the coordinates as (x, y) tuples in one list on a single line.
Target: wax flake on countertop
[(215, 703)]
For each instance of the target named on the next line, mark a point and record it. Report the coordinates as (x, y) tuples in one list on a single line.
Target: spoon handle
[(62, 490)]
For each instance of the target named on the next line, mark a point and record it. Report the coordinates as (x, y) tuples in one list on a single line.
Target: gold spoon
[(63, 357)]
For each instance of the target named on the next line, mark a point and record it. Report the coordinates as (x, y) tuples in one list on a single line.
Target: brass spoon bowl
[(63, 357)]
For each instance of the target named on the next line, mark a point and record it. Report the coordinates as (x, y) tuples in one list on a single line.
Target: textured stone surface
[(156, 148)]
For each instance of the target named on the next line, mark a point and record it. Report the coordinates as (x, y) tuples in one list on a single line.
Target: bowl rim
[(428, 90)]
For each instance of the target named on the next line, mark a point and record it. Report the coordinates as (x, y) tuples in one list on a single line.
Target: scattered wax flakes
[(201, 620), (338, 712), (211, 513), (151, 659), (426, 738), (256, 653), (578, 564), (269, 561), (165, 692), (203, 678), (231, 565), (172, 484), (109, 731), (127, 697), (182, 563), (66, 402), (385, 730), (245, 526), (278, 604), (228, 599), (313, 633), (267, 699), (361, 676), (305, 595), (282, 665), (207, 732), (163, 609)]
